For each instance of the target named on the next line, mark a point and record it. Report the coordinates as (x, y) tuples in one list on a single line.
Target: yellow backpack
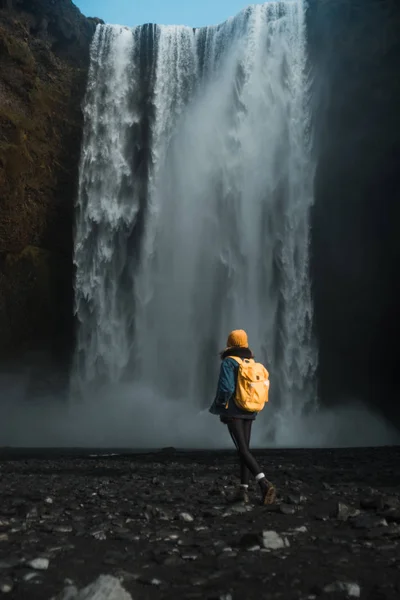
[(252, 386)]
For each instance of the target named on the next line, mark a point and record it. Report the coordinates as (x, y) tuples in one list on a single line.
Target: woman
[(238, 421)]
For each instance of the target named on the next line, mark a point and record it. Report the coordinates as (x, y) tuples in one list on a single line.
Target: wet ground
[(161, 522)]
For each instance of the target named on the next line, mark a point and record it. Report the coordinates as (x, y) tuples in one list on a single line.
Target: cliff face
[(44, 57), (355, 48)]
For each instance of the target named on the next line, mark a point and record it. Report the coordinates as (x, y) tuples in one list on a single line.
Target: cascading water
[(193, 213)]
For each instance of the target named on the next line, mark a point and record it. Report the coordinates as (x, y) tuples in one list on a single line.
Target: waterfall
[(196, 183)]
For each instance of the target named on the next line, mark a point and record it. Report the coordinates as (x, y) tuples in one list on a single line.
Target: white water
[(216, 237)]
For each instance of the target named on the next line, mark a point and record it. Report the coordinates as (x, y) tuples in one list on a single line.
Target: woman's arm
[(226, 382)]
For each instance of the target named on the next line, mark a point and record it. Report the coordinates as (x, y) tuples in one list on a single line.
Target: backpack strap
[(241, 360), (236, 359)]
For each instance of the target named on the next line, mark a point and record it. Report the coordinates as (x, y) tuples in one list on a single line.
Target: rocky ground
[(161, 523)]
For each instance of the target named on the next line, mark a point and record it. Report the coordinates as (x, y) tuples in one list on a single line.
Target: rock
[(69, 593), (391, 530), (6, 586), (62, 529), (391, 502), (190, 556), (30, 575), (272, 541), (323, 511), (368, 522), (186, 517), (287, 509), (10, 563), (44, 54), (98, 534), (40, 564), (3, 537), (105, 587), (295, 499), (238, 508), (33, 513), (345, 512), (372, 503), (301, 529), (352, 590), (391, 515)]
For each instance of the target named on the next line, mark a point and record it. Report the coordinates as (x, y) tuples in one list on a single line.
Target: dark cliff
[(44, 57), (355, 53)]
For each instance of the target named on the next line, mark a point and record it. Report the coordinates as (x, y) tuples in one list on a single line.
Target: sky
[(195, 13)]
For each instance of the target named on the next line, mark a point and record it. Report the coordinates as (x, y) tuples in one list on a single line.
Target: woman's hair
[(238, 351)]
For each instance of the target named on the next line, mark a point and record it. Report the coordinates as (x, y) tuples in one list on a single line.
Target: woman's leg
[(240, 433), (244, 471)]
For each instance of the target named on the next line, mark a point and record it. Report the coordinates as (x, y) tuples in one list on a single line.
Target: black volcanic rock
[(85, 517)]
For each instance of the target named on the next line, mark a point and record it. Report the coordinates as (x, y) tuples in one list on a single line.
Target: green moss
[(16, 159), (17, 50), (37, 256), (16, 118)]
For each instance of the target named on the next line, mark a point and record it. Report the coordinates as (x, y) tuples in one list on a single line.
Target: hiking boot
[(241, 495), (268, 494)]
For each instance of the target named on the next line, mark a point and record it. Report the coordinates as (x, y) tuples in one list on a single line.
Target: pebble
[(68, 593), (99, 535), (6, 586), (186, 517), (295, 499), (345, 512), (271, 540), (10, 563), (40, 564), (105, 587), (368, 522), (31, 575), (301, 529), (62, 529), (287, 509), (352, 590)]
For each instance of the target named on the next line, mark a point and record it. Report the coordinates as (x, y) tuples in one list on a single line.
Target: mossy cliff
[(44, 58)]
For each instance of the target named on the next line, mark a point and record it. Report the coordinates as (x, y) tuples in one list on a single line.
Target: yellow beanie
[(237, 338)]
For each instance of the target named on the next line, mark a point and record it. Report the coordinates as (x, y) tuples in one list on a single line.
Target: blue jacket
[(224, 403)]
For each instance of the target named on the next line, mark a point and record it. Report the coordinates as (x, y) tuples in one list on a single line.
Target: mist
[(130, 417)]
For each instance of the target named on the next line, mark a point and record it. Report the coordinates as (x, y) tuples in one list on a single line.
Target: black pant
[(240, 430)]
